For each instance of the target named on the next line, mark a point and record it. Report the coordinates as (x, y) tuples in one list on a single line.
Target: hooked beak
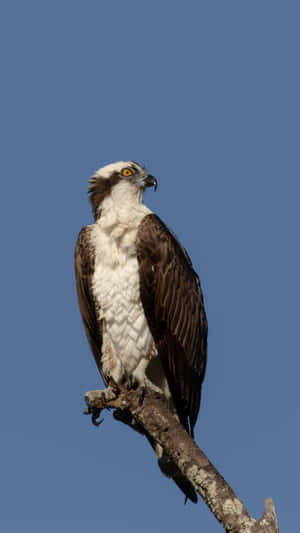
[(151, 181)]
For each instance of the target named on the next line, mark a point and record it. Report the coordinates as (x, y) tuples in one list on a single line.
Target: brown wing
[(173, 304), (84, 268)]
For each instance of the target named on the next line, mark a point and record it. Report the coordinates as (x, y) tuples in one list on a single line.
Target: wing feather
[(84, 259), (173, 304)]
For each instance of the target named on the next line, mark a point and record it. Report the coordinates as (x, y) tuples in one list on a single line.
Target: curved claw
[(95, 421), (95, 412)]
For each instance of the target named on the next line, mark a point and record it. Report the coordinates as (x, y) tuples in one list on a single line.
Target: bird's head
[(123, 177)]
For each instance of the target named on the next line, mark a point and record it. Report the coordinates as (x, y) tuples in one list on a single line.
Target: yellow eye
[(126, 172)]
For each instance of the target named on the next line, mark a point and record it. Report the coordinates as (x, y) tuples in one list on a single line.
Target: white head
[(118, 176)]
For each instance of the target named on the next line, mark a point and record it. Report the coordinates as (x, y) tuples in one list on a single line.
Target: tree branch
[(154, 416)]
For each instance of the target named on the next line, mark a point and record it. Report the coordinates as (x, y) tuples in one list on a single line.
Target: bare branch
[(155, 417)]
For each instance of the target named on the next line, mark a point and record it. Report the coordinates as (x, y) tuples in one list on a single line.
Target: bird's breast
[(116, 287)]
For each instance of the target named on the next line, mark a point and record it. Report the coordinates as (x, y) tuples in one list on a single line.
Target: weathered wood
[(154, 416)]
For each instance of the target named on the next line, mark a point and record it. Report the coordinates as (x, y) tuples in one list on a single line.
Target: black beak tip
[(151, 181)]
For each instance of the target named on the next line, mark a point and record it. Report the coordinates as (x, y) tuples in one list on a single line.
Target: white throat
[(123, 208), (126, 194)]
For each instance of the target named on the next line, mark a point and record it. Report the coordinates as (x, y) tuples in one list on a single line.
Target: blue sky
[(206, 95)]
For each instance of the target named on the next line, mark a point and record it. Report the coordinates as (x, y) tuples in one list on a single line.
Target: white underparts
[(128, 345)]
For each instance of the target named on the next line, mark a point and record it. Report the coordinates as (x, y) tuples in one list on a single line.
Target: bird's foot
[(131, 382), (97, 401)]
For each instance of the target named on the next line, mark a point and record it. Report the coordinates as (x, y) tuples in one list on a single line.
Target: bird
[(141, 300)]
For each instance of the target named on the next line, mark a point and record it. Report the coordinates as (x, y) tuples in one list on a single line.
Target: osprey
[(140, 299)]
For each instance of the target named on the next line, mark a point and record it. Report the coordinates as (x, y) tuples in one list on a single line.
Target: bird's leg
[(131, 382), (138, 380)]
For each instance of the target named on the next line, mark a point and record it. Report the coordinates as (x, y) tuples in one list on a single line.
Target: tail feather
[(165, 463), (169, 468)]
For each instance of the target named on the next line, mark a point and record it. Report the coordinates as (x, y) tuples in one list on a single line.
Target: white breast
[(127, 340)]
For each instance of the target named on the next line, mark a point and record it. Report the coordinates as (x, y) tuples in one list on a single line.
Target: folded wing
[(173, 305), (84, 267)]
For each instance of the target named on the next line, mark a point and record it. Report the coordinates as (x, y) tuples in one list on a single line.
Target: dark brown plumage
[(99, 189), (89, 309), (173, 305)]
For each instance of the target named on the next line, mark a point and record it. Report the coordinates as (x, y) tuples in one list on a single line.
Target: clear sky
[(206, 96)]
